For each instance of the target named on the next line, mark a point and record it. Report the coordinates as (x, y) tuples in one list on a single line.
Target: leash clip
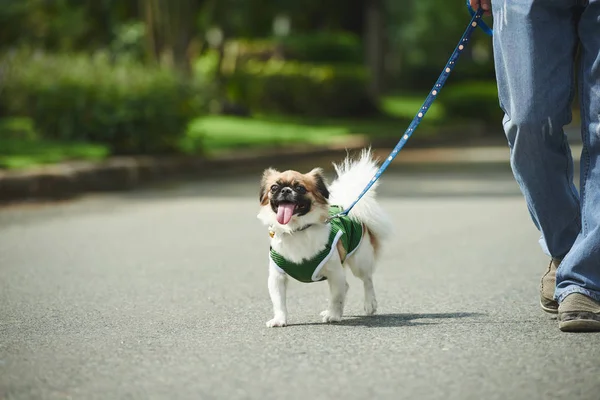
[(332, 217), (484, 27)]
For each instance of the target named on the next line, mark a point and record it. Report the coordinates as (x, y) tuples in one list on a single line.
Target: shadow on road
[(394, 320)]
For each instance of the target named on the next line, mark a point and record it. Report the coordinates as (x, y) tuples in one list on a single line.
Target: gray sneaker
[(547, 286), (579, 313)]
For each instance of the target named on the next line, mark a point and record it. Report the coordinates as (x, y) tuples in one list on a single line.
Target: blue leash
[(475, 21)]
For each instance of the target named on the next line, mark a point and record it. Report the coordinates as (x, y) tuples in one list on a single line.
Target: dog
[(308, 247)]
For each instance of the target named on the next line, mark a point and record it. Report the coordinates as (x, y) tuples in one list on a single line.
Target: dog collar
[(302, 228)]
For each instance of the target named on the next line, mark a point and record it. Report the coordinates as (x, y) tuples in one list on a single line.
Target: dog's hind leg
[(362, 265)]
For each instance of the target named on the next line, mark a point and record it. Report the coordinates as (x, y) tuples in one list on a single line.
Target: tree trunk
[(169, 30), (374, 39)]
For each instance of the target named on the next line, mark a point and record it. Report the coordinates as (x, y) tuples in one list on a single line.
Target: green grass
[(20, 148), (218, 133), (406, 106), (213, 134), (22, 153)]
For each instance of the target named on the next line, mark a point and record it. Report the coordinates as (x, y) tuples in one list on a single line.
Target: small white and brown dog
[(306, 246)]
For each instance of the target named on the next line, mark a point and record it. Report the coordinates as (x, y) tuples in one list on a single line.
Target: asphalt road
[(161, 294)]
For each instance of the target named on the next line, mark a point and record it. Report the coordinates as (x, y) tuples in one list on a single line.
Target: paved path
[(161, 294)]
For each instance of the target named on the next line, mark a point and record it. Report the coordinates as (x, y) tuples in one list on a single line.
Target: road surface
[(161, 294)]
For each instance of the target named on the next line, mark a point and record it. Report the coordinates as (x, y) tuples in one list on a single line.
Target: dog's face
[(292, 198)]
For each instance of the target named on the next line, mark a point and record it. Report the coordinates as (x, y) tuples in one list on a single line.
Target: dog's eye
[(301, 189), (274, 188)]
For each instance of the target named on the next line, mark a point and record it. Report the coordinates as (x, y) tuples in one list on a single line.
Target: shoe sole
[(580, 325), (549, 310)]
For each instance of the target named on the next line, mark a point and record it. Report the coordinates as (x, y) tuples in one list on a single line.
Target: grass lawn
[(218, 133), (214, 134), (406, 106), (19, 153), (19, 148)]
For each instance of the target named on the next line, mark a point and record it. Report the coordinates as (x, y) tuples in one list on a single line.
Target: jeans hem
[(562, 293)]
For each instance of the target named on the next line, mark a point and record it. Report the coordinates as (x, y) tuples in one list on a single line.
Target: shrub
[(320, 47), (300, 88), (132, 108), (473, 100), (323, 47)]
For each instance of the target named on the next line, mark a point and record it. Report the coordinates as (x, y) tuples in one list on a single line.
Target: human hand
[(485, 4)]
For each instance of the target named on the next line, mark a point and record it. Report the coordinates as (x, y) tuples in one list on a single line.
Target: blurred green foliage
[(300, 88), (314, 74), (130, 107), (21, 146), (476, 100), (407, 105), (17, 153), (62, 25), (129, 76), (423, 34), (323, 47), (218, 133)]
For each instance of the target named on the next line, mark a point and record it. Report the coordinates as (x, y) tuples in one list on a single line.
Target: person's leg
[(534, 47), (579, 271), (534, 50)]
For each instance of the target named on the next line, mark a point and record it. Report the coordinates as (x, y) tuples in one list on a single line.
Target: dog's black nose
[(286, 190)]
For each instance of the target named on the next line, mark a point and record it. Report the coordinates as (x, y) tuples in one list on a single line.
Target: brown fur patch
[(341, 250), (265, 183), (320, 185), (374, 242), (372, 238), (312, 181)]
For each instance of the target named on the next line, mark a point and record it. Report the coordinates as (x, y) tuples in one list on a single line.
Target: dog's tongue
[(284, 213)]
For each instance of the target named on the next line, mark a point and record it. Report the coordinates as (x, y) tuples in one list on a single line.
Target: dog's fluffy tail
[(353, 176)]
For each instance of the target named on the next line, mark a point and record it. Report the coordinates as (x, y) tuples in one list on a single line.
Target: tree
[(170, 28), (374, 45)]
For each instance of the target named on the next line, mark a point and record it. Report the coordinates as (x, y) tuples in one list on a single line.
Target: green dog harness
[(346, 229)]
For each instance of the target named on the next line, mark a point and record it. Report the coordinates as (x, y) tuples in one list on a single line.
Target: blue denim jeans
[(535, 47)]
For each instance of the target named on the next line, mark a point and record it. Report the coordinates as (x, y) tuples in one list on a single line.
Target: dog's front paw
[(370, 307), (329, 316), (278, 321)]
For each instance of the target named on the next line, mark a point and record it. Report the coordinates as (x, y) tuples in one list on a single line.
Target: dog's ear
[(265, 183), (320, 183)]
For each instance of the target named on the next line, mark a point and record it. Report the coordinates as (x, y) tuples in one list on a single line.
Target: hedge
[(320, 47), (130, 107), (301, 88), (476, 100), (323, 47)]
